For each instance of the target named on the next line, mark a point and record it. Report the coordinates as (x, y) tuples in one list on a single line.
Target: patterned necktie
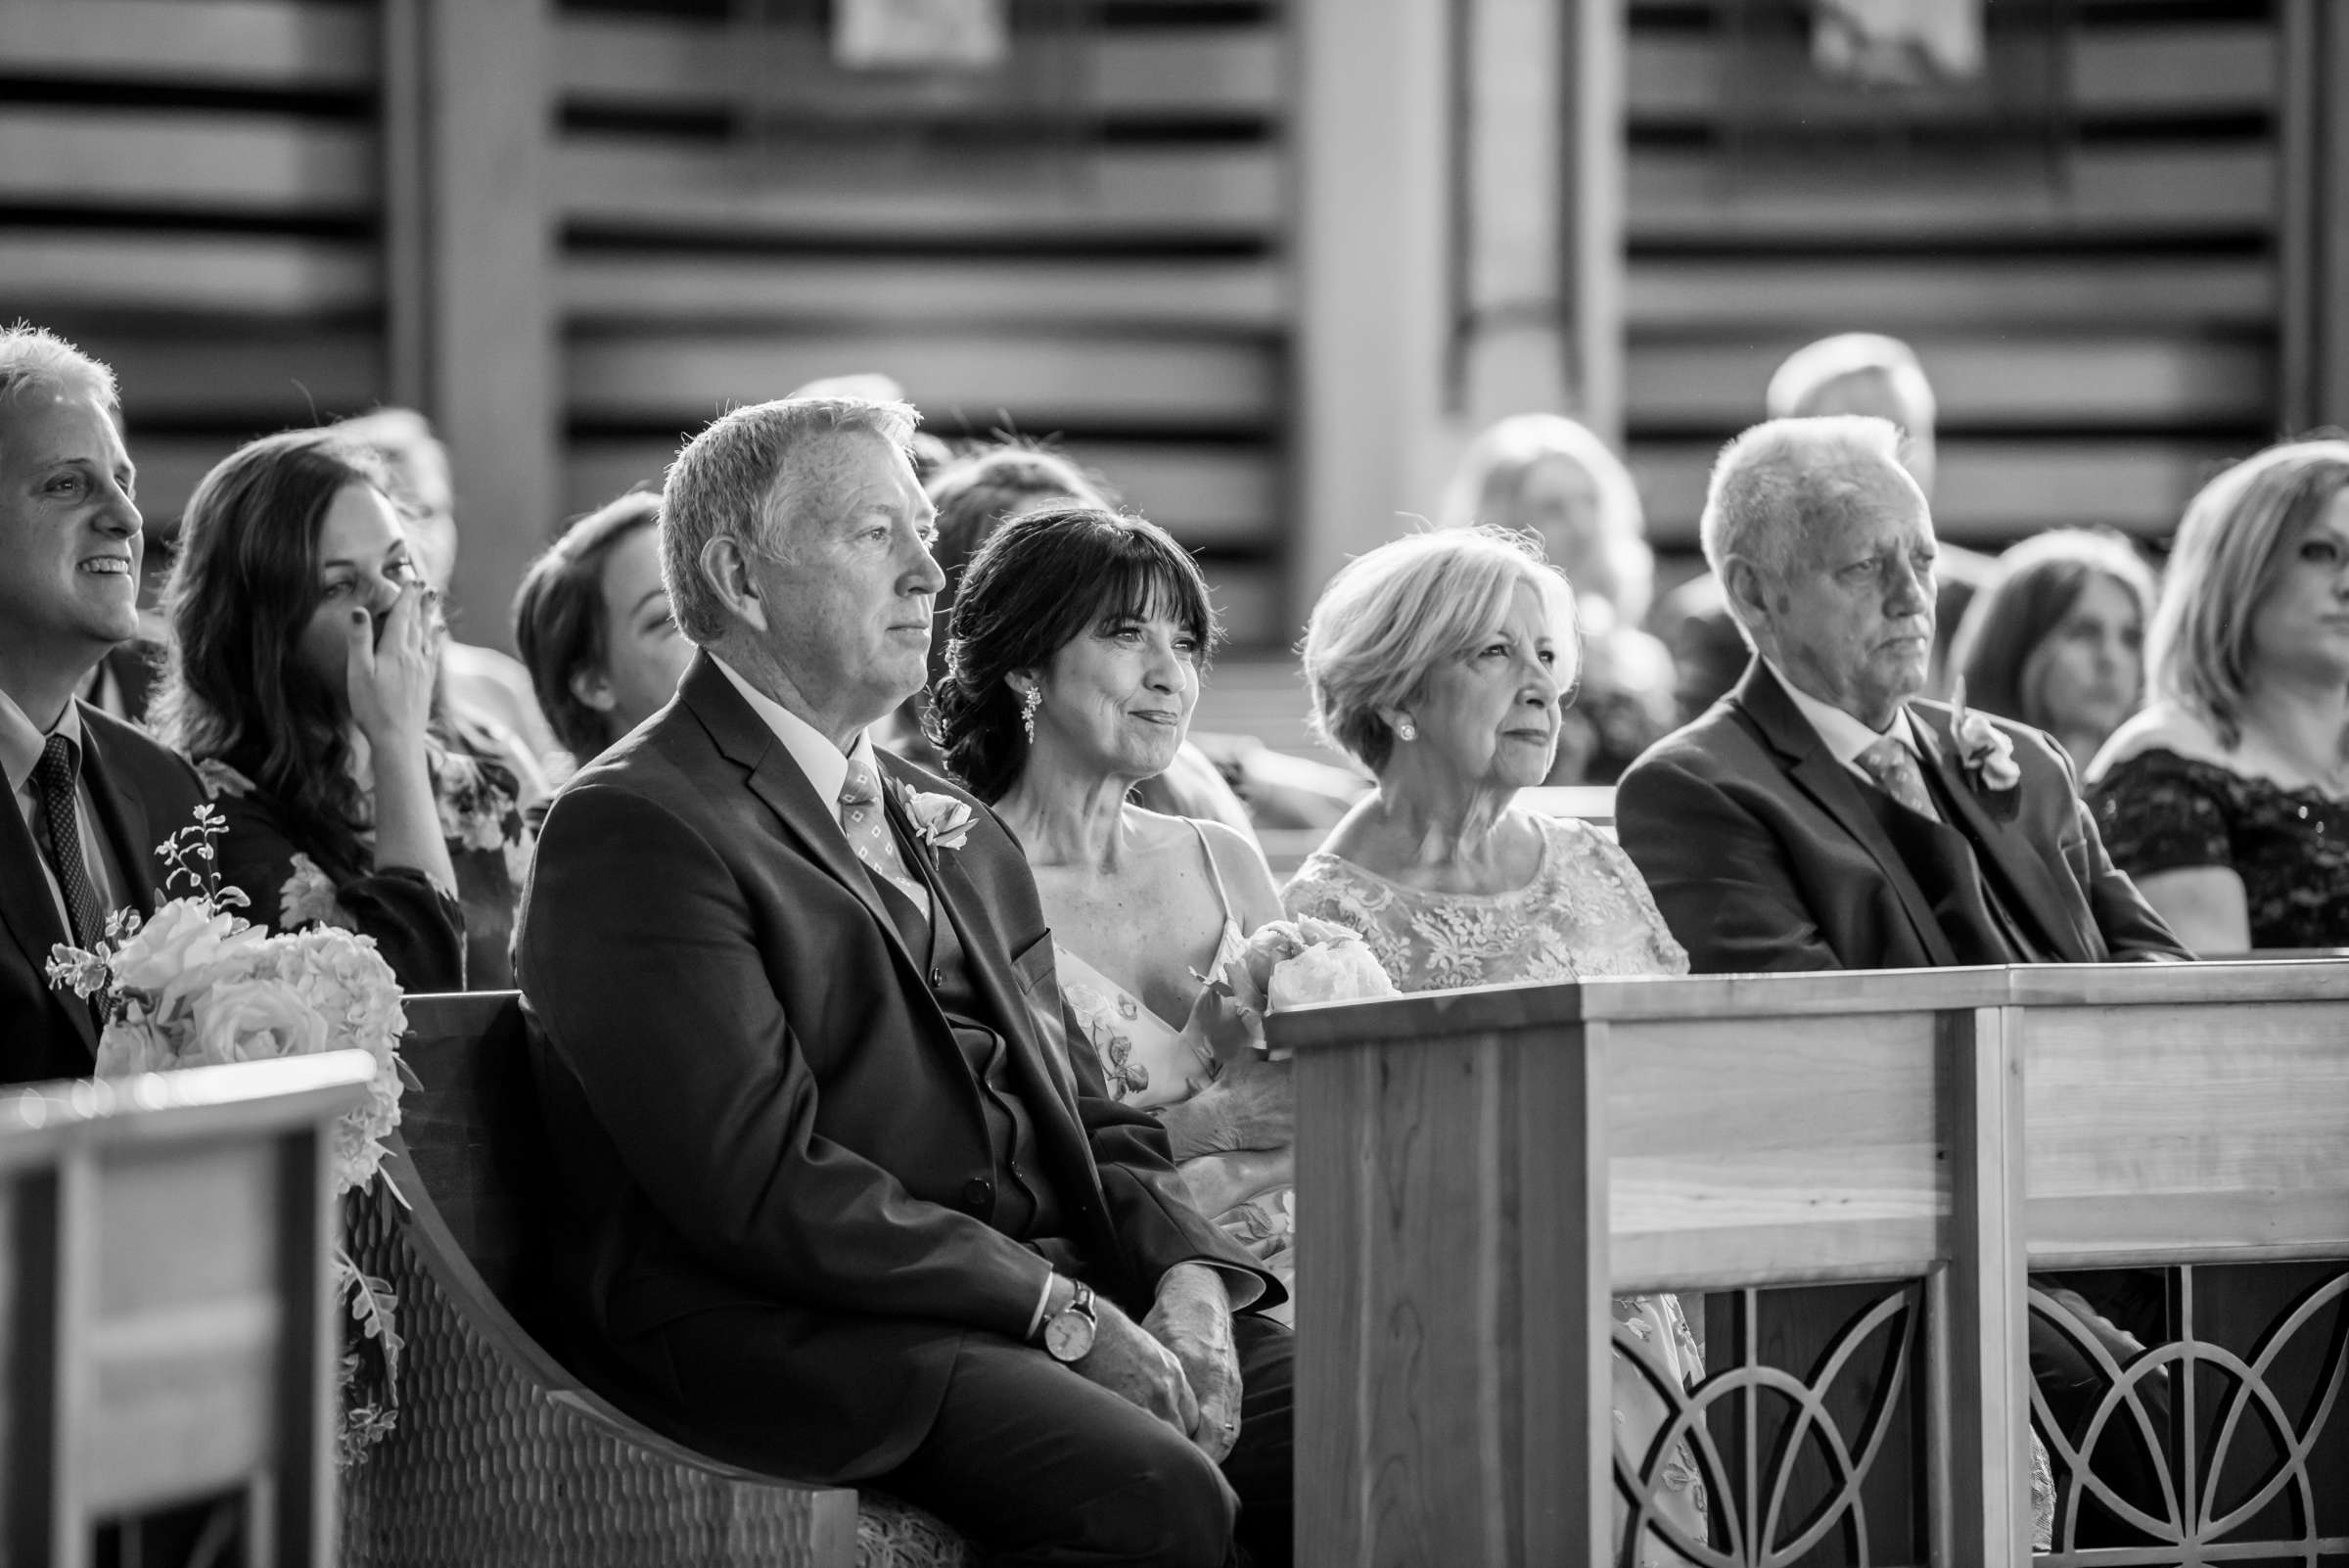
[(865, 821), (1893, 765), (55, 775)]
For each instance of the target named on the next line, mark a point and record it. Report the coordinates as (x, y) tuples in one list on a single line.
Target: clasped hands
[(1178, 1364)]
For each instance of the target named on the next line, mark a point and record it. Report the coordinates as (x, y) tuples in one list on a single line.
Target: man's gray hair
[(34, 357), (1776, 485), (730, 482)]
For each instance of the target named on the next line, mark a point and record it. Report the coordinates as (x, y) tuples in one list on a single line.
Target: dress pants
[(1037, 1466)]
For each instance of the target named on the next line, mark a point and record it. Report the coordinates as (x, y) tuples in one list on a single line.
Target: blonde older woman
[(1438, 662), (2228, 799), (1549, 477)]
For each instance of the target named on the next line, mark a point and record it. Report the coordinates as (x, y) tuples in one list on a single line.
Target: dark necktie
[(55, 775)]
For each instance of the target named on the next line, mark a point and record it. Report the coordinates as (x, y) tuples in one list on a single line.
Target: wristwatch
[(1069, 1332)]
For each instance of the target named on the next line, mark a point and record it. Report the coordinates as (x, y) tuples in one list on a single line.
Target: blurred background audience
[(2055, 638)]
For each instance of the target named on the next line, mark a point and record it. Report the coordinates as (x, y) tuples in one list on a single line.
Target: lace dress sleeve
[(2160, 813), (1667, 955)]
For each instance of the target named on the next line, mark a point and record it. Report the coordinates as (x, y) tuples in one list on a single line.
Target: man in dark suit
[(90, 797), (845, 1205), (1821, 817)]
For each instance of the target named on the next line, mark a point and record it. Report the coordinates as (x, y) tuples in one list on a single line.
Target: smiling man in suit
[(1821, 816), (845, 1206), (91, 795)]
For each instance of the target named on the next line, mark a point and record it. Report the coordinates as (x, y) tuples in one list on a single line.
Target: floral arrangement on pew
[(196, 985), (1292, 963)]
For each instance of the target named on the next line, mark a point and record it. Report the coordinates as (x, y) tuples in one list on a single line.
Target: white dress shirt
[(1847, 737)]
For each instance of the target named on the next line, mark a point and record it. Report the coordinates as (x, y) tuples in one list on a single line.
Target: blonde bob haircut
[(2230, 550), (1390, 616)]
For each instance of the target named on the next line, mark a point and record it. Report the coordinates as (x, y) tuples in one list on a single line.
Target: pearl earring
[(1029, 704), (1406, 730)]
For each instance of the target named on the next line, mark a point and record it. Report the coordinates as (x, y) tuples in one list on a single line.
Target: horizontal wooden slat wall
[(190, 189), (2098, 315), (1104, 264)]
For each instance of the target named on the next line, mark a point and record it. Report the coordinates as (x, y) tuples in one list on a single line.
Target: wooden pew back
[(1480, 1169), (166, 1329)]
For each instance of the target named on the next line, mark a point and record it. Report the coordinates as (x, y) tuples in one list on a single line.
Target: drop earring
[(1029, 704)]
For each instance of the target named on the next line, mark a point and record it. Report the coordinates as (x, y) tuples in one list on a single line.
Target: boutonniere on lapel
[(1984, 749), (939, 821)]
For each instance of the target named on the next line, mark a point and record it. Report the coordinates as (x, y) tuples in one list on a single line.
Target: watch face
[(1069, 1337)]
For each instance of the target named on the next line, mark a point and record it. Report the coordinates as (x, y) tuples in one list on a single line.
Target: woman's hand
[(391, 680)]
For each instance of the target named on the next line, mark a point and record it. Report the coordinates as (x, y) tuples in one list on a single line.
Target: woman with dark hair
[(2056, 639), (592, 622), (1073, 665), (977, 494), (303, 682)]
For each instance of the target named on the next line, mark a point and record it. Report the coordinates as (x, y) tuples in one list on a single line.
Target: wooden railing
[(1480, 1170), (166, 1328)]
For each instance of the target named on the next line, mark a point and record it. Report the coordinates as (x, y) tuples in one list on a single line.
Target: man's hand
[(1137, 1369), (1192, 1317), (1250, 1106)]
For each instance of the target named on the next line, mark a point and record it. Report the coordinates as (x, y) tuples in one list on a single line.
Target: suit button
[(937, 980), (978, 1194)]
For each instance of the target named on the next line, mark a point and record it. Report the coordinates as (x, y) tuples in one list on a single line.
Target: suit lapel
[(2024, 869), (776, 779), (984, 951), (122, 818), (1830, 784)]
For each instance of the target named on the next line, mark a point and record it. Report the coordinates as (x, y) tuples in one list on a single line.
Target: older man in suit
[(1821, 816), (847, 1205), (91, 795)]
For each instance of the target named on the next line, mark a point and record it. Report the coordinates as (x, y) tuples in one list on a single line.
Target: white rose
[(183, 945), (254, 1019), (127, 1047), (1333, 971)]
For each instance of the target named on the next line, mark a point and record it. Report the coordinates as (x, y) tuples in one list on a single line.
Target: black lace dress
[(2159, 812)]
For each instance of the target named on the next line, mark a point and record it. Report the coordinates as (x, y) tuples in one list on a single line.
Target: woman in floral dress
[(302, 684), (1054, 705), (1443, 663)]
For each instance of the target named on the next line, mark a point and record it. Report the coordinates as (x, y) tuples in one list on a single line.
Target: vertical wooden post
[(1986, 1411), (399, 98), (307, 1526), (1371, 243), (1513, 357), (491, 371), (2314, 215), (1591, 213), (1564, 1306)]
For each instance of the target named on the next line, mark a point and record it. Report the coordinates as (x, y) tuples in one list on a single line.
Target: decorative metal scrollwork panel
[(2216, 1434), (1805, 1421)]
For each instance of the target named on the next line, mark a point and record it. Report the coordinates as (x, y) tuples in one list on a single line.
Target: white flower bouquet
[(1292, 963), (196, 985)]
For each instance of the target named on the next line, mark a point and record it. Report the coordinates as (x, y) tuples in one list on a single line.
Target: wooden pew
[(501, 1454), (168, 1326), (1480, 1169)]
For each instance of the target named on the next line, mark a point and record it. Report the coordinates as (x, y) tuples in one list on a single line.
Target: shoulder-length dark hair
[(1041, 582), (559, 616), (242, 589), (2033, 587)]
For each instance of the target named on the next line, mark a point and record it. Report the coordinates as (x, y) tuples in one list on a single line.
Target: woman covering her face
[(303, 683)]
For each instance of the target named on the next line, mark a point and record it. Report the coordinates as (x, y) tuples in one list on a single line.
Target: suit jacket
[(759, 1109), (1765, 853), (140, 794)]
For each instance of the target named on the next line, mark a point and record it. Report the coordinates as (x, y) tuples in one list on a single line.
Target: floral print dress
[(1585, 913), (1151, 1064)]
